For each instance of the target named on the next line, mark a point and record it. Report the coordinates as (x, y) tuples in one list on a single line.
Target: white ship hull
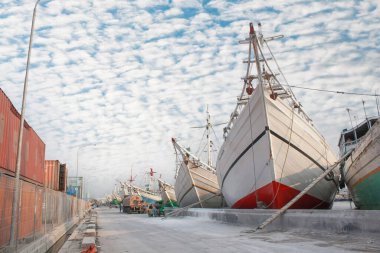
[(362, 171), (196, 185), (271, 154), (167, 193)]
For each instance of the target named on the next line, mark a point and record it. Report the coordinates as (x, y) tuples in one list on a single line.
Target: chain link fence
[(40, 211)]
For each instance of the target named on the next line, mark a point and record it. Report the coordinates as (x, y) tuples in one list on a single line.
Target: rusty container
[(33, 148), (34, 157), (38, 220), (27, 209), (52, 169), (4, 125), (6, 202), (62, 178)]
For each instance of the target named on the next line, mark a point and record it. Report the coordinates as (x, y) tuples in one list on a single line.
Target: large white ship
[(271, 149)]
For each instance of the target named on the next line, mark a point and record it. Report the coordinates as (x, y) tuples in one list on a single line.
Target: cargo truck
[(133, 204)]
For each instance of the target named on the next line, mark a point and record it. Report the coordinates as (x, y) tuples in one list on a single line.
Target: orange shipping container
[(52, 168), (33, 148), (6, 198), (27, 205)]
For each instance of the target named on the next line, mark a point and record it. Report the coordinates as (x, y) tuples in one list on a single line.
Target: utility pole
[(16, 194)]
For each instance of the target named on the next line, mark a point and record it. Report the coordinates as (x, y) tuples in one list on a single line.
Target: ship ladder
[(279, 90), (296, 198)]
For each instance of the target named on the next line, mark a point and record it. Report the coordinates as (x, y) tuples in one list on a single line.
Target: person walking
[(125, 204)]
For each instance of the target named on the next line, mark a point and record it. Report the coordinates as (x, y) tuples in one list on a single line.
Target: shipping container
[(39, 224), (33, 148), (27, 207), (62, 178), (6, 202), (52, 168)]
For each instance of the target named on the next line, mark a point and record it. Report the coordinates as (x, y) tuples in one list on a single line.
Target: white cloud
[(130, 75), (186, 3)]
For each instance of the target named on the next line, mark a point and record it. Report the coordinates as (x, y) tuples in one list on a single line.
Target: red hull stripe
[(267, 195)]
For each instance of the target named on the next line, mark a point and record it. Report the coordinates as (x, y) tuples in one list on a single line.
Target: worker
[(150, 210), (155, 210), (125, 204)]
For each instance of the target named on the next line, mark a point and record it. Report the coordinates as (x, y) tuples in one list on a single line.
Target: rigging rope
[(336, 91), (278, 67), (200, 143)]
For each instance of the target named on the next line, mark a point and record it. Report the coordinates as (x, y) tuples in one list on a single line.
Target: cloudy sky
[(129, 75)]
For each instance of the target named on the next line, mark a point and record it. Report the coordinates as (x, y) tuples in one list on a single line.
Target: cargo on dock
[(133, 204)]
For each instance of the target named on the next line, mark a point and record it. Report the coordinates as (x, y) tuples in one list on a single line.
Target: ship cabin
[(349, 138)]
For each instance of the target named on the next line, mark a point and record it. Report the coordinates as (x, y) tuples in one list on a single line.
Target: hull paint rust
[(275, 195), (366, 193)]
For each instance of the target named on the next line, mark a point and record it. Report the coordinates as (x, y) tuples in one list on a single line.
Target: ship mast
[(253, 39), (184, 152), (208, 125)]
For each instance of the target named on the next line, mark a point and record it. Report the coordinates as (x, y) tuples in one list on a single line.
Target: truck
[(133, 204)]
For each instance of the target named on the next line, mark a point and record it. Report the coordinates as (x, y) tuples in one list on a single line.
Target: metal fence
[(40, 211)]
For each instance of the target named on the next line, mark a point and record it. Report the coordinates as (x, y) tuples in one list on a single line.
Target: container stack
[(55, 175), (31, 174), (33, 148)]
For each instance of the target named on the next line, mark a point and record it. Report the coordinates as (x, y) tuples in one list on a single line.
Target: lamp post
[(86, 190), (77, 192), (16, 194)]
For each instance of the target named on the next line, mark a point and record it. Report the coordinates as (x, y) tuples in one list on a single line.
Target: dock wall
[(334, 221), (42, 212), (44, 243)]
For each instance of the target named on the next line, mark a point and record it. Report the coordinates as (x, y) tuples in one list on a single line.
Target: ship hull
[(196, 185), (272, 153), (167, 194), (362, 171)]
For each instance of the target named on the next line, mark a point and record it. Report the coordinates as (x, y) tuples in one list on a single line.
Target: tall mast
[(184, 152), (355, 136), (365, 114), (208, 125), (253, 39)]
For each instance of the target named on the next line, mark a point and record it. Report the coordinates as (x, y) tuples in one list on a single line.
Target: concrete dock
[(203, 231)]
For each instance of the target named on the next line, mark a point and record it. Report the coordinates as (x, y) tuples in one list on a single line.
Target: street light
[(86, 190), (77, 192), (16, 194)]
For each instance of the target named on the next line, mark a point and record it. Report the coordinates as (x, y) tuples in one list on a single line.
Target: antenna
[(377, 104), (365, 113), (131, 178), (260, 37), (349, 115)]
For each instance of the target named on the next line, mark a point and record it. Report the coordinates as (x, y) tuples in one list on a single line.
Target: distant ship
[(271, 149), (196, 184), (362, 168), (147, 194), (167, 193)]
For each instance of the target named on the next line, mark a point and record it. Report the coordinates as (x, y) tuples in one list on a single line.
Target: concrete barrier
[(43, 244), (335, 221)]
